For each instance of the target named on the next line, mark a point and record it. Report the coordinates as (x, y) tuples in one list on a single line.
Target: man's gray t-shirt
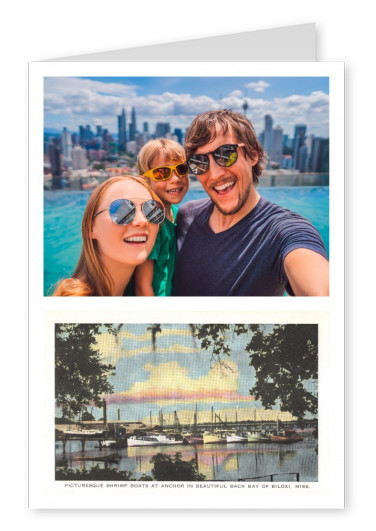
[(246, 259)]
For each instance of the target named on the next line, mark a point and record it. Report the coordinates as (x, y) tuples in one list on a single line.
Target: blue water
[(63, 211)]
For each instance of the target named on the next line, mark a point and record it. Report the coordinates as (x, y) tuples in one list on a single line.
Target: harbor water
[(217, 462)]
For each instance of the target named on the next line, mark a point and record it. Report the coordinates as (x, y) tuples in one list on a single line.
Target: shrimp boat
[(192, 438), (257, 437), (214, 437), (286, 437), (157, 439), (163, 439), (236, 438), (83, 433), (142, 440)]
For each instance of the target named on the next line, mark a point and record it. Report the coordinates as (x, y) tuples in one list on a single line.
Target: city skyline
[(71, 102)]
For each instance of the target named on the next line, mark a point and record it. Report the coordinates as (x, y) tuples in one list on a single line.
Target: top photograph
[(186, 186)]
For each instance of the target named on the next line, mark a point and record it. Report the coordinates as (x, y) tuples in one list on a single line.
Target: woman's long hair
[(90, 276)]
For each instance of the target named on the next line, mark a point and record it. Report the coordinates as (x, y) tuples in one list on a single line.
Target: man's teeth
[(224, 186), (137, 239), (174, 190)]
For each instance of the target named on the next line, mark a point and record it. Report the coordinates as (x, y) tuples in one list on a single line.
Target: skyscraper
[(132, 125), (54, 156), (268, 135), (277, 141), (179, 134), (303, 159), (79, 158), (66, 144), (299, 141), (141, 140), (99, 130), (162, 128), (320, 155), (86, 135), (122, 129)]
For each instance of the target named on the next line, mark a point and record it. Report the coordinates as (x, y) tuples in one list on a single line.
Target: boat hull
[(151, 440), (139, 441), (193, 439), (257, 437), (236, 439), (285, 440), (211, 438), (289, 436), (83, 433)]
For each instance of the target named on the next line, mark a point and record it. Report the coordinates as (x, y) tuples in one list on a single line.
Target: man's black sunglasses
[(225, 156)]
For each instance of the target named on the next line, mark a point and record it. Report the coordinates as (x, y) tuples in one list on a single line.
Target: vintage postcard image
[(190, 408)]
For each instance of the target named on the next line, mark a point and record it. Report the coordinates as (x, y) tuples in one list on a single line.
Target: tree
[(94, 474), (154, 330), (286, 361), (87, 416), (80, 376), (168, 468)]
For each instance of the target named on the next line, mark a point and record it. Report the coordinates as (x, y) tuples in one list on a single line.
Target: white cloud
[(236, 93), (71, 102), (260, 86)]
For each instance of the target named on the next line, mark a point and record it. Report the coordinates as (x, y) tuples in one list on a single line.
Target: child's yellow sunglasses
[(164, 173)]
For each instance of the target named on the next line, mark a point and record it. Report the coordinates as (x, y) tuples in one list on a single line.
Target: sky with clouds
[(175, 376), (70, 102)]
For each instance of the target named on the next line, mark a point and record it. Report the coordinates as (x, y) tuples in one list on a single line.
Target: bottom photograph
[(186, 402)]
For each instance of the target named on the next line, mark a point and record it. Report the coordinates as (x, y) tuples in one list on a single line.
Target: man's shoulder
[(291, 229), (275, 213)]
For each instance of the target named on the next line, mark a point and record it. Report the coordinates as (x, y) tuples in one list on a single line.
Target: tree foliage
[(168, 468), (95, 474), (86, 416), (80, 376), (217, 338), (286, 361)]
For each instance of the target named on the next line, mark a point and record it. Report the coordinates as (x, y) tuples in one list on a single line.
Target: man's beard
[(242, 201)]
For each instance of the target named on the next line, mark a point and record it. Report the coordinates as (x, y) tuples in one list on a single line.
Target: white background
[(41, 30)]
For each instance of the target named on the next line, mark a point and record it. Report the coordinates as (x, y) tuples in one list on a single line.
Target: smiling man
[(236, 242)]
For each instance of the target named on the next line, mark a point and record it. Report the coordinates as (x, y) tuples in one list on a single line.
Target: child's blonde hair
[(160, 146)]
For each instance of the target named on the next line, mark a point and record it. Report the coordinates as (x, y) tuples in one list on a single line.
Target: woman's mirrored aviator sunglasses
[(225, 156), (123, 211), (164, 173)]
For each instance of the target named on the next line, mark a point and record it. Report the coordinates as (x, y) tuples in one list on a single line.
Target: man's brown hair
[(207, 125)]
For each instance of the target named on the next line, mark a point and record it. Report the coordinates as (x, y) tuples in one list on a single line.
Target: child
[(162, 163)]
